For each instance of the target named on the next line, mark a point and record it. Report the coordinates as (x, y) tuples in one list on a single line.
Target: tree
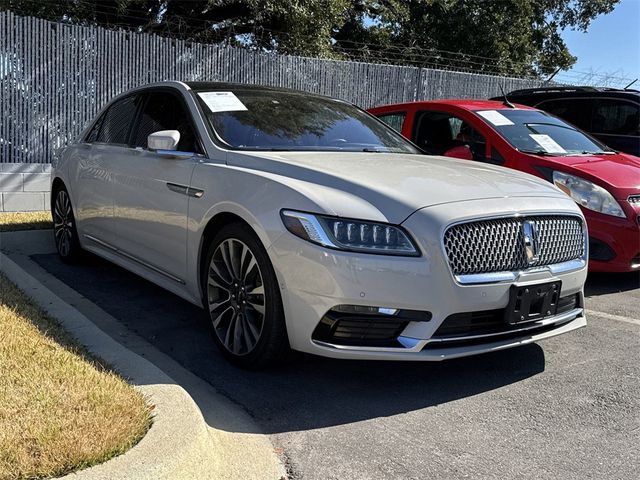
[(517, 37)]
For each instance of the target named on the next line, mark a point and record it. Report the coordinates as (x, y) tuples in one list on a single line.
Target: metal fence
[(54, 77)]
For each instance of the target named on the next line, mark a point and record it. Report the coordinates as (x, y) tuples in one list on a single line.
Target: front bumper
[(621, 240), (313, 280)]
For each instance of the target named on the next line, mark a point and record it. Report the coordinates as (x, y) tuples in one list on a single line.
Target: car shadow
[(311, 392), (606, 283)]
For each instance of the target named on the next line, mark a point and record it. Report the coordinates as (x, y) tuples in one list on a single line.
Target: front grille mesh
[(497, 245)]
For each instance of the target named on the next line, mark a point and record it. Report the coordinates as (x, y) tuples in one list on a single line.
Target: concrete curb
[(180, 444)]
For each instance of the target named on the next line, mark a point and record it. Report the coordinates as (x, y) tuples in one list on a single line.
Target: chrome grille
[(498, 245)]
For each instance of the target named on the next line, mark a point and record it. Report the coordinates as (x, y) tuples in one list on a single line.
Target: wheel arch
[(56, 185), (213, 225)]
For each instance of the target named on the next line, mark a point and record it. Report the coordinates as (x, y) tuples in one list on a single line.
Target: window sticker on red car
[(495, 117), (547, 143), (222, 101)]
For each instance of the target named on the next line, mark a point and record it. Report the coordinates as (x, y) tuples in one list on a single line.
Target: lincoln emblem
[(530, 233)]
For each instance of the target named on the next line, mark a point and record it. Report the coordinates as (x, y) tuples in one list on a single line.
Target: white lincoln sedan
[(301, 222)]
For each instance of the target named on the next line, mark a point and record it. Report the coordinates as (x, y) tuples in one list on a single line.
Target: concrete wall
[(24, 187)]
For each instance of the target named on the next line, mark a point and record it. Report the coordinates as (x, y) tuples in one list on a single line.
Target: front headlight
[(351, 235), (588, 194)]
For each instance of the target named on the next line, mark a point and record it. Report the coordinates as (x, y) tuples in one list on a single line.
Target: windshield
[(274, 120), (538, 132)]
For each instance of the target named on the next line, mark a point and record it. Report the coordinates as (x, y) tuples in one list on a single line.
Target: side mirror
[(163, 140)]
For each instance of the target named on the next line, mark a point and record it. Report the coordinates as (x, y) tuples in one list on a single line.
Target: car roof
[(201, 86), (543, 93), (466, 104), (208, 86), (221, 86)]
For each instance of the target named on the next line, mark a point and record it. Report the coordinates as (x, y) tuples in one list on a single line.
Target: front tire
[(242, 298), (64, 227)]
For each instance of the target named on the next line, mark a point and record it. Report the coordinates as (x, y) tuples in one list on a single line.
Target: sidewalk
[(186, 439)]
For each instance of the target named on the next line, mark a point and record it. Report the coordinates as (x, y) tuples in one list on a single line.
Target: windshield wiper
[(601, 152), (544, 153)]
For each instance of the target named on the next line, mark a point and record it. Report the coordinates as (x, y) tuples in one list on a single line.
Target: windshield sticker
[(547, 143), (222, 101), (495, 117)]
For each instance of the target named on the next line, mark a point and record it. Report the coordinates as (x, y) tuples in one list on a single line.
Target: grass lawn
[(60, 409), (25, 221)]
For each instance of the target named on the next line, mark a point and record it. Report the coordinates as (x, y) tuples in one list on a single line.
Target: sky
[(610, 46)]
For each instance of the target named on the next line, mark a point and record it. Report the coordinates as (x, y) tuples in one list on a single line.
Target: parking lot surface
[(566, 408)]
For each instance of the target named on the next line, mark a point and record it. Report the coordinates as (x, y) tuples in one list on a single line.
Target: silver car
[(301, 222)]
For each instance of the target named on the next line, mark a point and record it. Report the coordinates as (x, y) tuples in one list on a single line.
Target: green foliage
[(518, 37), (507, 36)]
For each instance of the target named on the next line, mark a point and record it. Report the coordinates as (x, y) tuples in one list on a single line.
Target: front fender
[(255, 197)]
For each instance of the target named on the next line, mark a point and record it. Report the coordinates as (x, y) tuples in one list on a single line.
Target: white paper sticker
[(547, 143), (222, 101), (495, 117)]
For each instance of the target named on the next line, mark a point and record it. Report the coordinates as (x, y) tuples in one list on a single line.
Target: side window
[(616, 117), (394, 120), (440, 133), (116, 122), (165, 111), (575, 111), (92, 136), (456, 124)]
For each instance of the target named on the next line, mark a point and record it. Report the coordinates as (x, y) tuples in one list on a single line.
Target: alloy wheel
[(63, 223), (236, 298)]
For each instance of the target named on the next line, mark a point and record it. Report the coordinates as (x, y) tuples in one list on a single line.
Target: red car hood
[(620, 171)]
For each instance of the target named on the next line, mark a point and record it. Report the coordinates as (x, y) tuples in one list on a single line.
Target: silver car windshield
[(281, 121)]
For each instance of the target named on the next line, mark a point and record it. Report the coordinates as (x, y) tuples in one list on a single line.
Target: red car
[(605, 183)]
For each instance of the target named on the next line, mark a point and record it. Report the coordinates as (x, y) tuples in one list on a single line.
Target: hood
[(620, 171), (395, 184)]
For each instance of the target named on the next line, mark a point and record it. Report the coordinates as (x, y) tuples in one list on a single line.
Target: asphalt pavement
[(566, 408)]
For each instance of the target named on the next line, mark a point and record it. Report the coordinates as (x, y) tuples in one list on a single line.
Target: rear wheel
[(243, 299), (64, 227)]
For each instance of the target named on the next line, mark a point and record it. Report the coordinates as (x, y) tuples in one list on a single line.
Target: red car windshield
[(533, 131)]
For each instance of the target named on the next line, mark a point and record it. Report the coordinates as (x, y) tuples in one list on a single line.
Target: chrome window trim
[(511, 276)]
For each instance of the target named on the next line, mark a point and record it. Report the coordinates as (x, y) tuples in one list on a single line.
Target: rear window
[(616, 117), (576, 111), (274, 120)]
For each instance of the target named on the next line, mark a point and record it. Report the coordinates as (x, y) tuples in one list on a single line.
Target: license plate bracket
[(528, 303)]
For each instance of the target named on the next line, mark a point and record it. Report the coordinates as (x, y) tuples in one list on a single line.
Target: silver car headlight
[(588, 194), (350, 235)]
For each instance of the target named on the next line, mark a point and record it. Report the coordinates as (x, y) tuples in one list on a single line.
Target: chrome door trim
[(174, 154), (185, 190), (135, 259)]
